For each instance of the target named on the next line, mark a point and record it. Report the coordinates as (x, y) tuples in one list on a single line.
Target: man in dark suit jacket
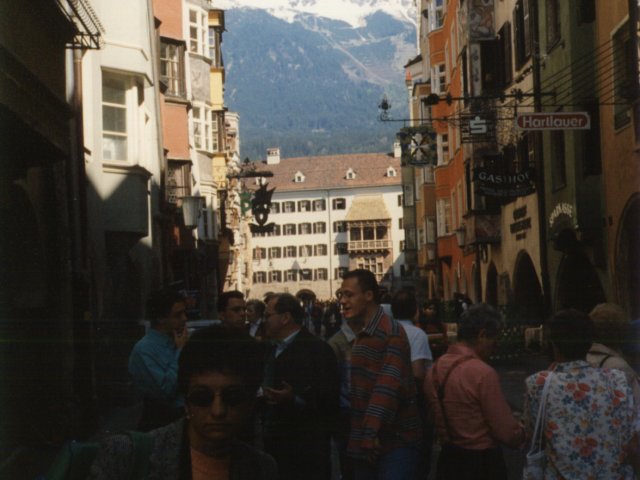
[(300, 394)]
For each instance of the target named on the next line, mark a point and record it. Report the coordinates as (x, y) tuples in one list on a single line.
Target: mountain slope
[(312, 86)]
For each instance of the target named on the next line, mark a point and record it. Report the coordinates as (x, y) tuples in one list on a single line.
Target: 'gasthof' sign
[(553, 121)]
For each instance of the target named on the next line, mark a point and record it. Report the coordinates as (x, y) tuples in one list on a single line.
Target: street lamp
[(191, 210)]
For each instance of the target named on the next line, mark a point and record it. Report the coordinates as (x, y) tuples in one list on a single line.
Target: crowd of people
[(271, 390)]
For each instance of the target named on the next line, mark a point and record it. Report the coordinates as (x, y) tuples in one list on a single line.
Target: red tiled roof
[(330, 171)]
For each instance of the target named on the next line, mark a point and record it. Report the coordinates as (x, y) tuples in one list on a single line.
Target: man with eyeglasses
[(301, 390), (385, 424), (232, 309)]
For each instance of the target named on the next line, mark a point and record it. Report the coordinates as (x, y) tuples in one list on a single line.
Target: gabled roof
[(330, 171), (367, 207)]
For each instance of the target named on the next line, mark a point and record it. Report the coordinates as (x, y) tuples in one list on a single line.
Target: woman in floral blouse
[(590, 426)]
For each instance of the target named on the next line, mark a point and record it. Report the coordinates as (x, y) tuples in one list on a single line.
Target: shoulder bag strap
[(536, 440), (142, 447), (440, 389), (605, 356)]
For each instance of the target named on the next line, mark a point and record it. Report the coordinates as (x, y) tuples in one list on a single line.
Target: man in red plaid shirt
[(385, 425)]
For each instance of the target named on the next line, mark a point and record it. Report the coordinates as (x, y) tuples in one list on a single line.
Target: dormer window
[(391, 172), (350, 174), (299, 177)]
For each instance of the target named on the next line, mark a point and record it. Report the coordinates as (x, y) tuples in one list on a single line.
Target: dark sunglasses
[(230, 397)]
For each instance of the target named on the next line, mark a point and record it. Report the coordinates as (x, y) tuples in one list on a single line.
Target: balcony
[(359, 246)]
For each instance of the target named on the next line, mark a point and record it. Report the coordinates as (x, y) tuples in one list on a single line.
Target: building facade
[(331, 214)]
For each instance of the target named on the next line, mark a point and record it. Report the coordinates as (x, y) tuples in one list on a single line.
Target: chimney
[(273, 156), (397, 150)]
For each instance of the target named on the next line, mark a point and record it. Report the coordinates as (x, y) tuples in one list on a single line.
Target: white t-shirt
[(418, 341)]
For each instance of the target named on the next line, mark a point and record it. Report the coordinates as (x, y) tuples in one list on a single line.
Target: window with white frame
[(299, 177), (275, 207), (320, 274), (351, 174), (306, 274), (216, 121), (304, 206), (201, 127), (120, 108), (275, 252), (339, 204), (214, 46), (259, 253), (339, 227), (172, 66), (291, 275), (443, 148), (391, 172), (304, 229), (198, 27), (275, 276), (259, 277), (319, 205), (340, 248), (306, 250), (289, 229), (436, 14), (443, 207), (320, 250), (288, 207), (290, 251), (319, 227), (275, 232), (340, 272), (439, 78)]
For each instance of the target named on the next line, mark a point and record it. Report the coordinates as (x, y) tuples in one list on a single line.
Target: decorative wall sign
[(260, 207), (553, 121), (490, 183), (419, 146), (476, 128)]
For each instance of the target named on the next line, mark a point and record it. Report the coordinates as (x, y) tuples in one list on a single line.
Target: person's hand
[(181, 337), (276, 396), (374, 451)]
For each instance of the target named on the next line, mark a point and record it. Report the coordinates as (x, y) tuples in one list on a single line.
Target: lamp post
[(191, 210)]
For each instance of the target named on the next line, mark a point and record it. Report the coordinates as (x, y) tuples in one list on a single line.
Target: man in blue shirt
[(153, 362)]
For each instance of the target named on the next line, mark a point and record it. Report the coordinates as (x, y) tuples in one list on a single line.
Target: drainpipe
[(539, 159), (633, 25)]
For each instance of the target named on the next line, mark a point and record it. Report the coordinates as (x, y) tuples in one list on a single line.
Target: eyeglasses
[(231, 397)]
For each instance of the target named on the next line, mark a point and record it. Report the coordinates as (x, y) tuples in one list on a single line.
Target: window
[(355, 234), (201, 127), (319, 250), (275, 207), (558, 170), (391, 172), (216, 120), (178, 181), (306, 250), (351, 174), (259, 253), (288, 207), (431, 230), (275, 276), (172, 67), (319, 227), (373, 264), (214, 46), (340, 249), (436, 14), (275, 252), (439, 78), (402, 245), (339, 227), (319, 205), (522, 41), (304, 228), (275, 232), (259, 277), (496, 61), (339, 204), (299, 177), (304, 206), (198, 31), (289, 229), (320, 274), (120, 99), (291, 275), (444, 216), (340, 272), (290, 251), (553, 23), (305, 274), (400, 200), (400, 223), (623, 81), (443, 148)]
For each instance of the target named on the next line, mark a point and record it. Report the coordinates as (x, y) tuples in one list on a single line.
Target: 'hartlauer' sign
[(553, 121)]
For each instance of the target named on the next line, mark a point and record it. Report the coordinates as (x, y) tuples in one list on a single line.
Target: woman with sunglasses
[(219, 372)]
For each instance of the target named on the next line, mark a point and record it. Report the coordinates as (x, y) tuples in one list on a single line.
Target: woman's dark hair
[(476, 318), (571, 331), (404, 305), (224, 349), (160, 303)]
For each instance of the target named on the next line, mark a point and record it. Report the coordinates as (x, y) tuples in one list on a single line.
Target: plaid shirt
[(383, 392)]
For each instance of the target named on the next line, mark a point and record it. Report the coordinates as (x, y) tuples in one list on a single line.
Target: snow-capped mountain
[(307, 75), (353, 12)]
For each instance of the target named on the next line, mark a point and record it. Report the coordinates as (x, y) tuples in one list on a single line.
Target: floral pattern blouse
[(589, 424)]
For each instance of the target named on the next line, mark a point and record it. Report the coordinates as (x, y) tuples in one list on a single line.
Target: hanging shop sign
[(260, 207), (490, 183), (553, 121), (562, 217), (478, 128), (419, 146)]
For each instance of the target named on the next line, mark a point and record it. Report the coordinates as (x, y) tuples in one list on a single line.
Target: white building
[(331, 214)]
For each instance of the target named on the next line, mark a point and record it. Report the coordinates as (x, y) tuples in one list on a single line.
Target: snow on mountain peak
[(352, 12)]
